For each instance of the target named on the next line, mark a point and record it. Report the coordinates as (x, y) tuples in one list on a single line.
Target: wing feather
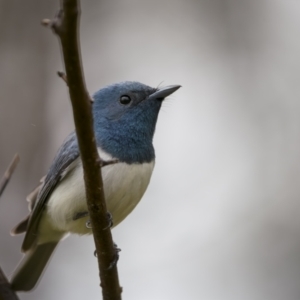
[(65, 156)]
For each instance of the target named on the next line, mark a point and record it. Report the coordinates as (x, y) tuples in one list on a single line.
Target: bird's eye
[(125, 100)]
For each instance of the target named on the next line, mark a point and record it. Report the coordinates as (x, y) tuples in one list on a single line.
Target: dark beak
[(164, 92)]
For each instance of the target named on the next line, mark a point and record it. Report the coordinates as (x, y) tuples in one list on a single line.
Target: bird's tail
[(31, 267)]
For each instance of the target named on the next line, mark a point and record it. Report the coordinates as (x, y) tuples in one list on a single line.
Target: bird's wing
[(31, 199), (66, 155)]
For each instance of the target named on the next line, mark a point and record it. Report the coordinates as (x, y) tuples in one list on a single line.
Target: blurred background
[(220, 219)]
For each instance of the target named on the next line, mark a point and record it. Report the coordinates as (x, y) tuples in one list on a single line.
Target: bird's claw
[(110, 221), (116, 257), (88, 224)]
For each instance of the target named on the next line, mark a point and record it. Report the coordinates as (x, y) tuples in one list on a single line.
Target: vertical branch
[(65, 25), (6, 293)]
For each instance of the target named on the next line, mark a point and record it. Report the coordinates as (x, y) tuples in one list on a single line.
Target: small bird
[(125, 116)]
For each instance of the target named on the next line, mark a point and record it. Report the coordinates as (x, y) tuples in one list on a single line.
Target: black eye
[(125, 100)]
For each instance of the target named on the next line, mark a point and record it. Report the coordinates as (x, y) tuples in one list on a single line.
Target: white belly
[(124, 186)]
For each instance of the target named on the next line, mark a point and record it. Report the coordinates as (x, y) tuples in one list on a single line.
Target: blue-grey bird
[(125, 116)]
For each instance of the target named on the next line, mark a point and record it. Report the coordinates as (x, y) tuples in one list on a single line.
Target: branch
[(6, 293), (6, 177), (65, 25)]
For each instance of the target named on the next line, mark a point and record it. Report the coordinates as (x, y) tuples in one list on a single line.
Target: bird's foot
[(109, 220), (116, 257), (88, 224)]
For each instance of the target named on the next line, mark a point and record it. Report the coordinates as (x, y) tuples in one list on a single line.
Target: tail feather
[(21, 227), (31, 267), (31, 198)]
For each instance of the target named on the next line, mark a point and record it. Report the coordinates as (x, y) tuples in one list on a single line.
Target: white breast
[(124, 186)]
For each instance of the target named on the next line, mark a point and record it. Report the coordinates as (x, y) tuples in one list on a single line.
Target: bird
[(124, 121)]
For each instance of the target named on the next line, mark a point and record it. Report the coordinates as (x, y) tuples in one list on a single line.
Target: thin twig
[(6, 293), (104, 163), (46, 22), (63, 76), (65, 25), (6, 177)]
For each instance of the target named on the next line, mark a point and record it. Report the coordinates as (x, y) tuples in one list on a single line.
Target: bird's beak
[(164, 92)]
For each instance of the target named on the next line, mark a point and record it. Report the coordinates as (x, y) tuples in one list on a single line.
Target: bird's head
[(126, 113)]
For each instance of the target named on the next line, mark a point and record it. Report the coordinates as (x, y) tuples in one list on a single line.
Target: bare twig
[(104, 163), (46, 22), (6, 177), (63, 76), (6, 293), (65, 25)]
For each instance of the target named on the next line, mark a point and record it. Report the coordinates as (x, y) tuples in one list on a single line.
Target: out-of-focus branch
[(65, 25), (6, 177), (6, 293)]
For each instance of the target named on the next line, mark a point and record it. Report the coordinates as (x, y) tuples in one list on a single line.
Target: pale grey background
[(220, 220)]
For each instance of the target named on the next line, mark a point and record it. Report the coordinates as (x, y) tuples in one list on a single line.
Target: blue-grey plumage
[(125, 116)]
